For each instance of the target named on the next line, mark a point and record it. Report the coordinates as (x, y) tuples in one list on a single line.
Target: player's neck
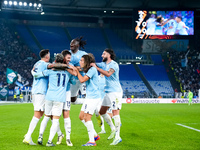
[(75, 51), (43, 59), (108, 61)]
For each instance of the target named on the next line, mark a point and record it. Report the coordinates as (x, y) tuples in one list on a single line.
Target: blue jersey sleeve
[(114, 66), (44, 73)]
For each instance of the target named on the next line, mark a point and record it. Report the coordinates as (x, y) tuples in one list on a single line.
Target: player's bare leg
[(73, 99)]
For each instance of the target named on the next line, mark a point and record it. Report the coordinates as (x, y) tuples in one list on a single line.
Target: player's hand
[(75, 69), (93, 65), (70, 66), (75, 72), (79, 68)]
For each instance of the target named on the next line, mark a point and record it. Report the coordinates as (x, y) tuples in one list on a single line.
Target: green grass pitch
[(144, 127)]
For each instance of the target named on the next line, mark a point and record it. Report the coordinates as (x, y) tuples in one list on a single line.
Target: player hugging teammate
[(51, 90)]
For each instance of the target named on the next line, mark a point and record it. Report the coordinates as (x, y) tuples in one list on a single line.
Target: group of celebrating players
[(57, 84), (161, 26)]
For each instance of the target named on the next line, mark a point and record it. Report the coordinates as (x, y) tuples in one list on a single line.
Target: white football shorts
[(38, 102), (67, 103), (113, 100), (89, 105), (53, 108)]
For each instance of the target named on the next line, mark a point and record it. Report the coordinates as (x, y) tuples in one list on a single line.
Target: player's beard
[(105, 59)]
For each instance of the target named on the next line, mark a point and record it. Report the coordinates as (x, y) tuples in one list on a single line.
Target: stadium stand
[(56, 40), (94, 37), (17, 56), (157, 78), (121, 49), (157, 59), (50, 37), (27, 37), (131, 81), (186, 67)]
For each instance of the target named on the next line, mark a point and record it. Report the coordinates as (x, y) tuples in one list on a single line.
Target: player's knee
[(73, 99), (66, 113), (115, 112), (103, 110), (81, 117), (87, 117), (37, 114)]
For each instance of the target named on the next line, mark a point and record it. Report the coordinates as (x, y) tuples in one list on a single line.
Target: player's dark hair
[(65, 52), (179, 17), (43, 53), (87, 61), (59, 58), (81, 42), (111, 52), (159, 19), (92, 58)]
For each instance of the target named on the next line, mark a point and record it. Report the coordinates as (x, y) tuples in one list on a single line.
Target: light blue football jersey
[(75, 58), (72, 80), (172, 23), (92, 85), (102, 83), (181, 28), (112, 82), (58, 80), (40, 85)]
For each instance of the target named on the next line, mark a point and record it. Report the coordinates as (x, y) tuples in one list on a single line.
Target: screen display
[(164, 24)]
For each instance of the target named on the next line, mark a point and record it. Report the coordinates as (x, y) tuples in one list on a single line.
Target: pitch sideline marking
[(188, 127)]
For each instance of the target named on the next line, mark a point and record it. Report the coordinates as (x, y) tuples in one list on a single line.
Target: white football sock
[(90, 128), (107, 118), (31, 128), (67, 125), (102, 126), (59, 132), (96, 112), (43, 125), (54, 129), (117, 125), (83, 121), (95, 133)]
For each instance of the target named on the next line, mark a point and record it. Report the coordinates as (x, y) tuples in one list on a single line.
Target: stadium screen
[(164, 24)]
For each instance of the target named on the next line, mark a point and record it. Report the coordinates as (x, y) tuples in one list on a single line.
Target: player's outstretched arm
[(38, 75), (58, 66), (106, 73), (82, 78), (71, 70)]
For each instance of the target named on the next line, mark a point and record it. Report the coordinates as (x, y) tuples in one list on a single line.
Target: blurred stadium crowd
[(14, 55), (186, 67)]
